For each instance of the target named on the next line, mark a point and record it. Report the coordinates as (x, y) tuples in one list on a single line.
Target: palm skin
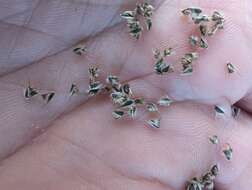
[(85, 148)]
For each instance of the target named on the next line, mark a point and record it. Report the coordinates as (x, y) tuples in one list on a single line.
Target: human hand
[(74, 143)]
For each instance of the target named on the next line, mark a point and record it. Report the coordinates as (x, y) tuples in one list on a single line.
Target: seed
[(207, 178), (118, 98), (112, 80), (228, 152), (203, 43), (165, 101), (117, 114), (209, 185), (231, 68), (154, 123), (30, 92), (148, 24), (128, 15), (194, 184), (145, 9), (74, 89), (167, 52), (188, 58), (193, 40), (215, 170), (80, 50), (200, 18), (47, 97), (161, 67), (219, 110), (219, 23), (132, 111), (187, 69), (214, 139), (135, 29), (94, 88), (127, 103), (126, 89), (151, 107), (93, 72), (157, 54), (235, 111), (217, 16), (192, 10), (203, 29)]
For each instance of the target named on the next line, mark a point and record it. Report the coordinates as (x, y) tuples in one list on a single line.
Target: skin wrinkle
[(120, 173)]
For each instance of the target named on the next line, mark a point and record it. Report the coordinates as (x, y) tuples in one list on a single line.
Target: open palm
[(74, 143)]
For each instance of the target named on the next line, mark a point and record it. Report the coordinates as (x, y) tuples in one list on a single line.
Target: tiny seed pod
[(235, 111), (154, 123), (132, 111), (30, 92), (228, 152), (47, 97), (74, 90), (117, 114), (203, 29), (192, 10), (128, 15), (214, 139), (126, 89), (187, 69), (151, 107), (168, 52), (219, 110), (112, 80), (231, 68), (165, 101), (194, 184), (94, 88), (193, 40), (127, 103), (148, 24), (215, 170), (203, 43), (80, 50)]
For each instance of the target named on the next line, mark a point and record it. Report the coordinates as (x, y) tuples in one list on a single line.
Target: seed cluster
[(206, 181), (207, 25), (144, 10), (161, 66), (122, 97)]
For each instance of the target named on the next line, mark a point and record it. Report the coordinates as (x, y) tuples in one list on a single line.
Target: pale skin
[(74, 143)]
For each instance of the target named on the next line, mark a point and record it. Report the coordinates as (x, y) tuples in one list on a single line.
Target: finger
[(33, 30), (82, 150)]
